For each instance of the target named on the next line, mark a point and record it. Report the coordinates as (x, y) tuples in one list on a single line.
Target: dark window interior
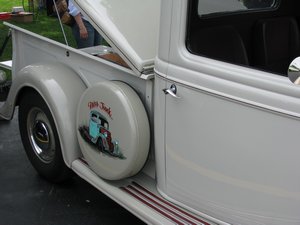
[(264, 39)]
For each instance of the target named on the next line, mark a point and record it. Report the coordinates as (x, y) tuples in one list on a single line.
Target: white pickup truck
[(188, 118)]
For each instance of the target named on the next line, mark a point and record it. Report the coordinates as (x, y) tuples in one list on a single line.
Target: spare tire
[(113, 130)]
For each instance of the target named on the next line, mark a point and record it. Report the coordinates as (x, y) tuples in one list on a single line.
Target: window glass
[(206, 7)]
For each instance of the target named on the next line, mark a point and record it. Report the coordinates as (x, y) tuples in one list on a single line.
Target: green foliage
[(42, 24), (6, 5)]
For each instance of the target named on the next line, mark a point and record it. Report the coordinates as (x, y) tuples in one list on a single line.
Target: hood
[(130, 26)]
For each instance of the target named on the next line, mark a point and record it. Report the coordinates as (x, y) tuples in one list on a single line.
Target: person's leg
[(76, 34), (94, 38), (49, 4), (97, 38), (91, 32), (83, 43)]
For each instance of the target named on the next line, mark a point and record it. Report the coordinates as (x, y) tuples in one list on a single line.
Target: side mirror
[(294, 71)]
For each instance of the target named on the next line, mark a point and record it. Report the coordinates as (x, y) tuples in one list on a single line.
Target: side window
[(262, 34)]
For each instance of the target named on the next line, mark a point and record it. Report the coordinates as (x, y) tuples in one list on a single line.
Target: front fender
[(61, 88)]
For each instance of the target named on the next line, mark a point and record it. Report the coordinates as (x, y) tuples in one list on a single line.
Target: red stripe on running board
[(83, 160), (152, 206), (162, 206), (170, 204)]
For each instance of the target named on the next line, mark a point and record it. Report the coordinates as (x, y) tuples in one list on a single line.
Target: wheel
[(40, 138)]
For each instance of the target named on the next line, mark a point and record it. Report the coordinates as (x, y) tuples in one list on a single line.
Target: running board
[(165, 208), (139, 196)]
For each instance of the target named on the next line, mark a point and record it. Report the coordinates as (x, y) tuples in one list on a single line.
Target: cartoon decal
[(98, 134), (113, 130)]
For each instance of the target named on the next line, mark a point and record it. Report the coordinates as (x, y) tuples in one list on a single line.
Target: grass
[(42, 24), (7, 5)]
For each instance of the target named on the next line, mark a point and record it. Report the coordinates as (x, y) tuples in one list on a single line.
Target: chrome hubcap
[(41, 135)]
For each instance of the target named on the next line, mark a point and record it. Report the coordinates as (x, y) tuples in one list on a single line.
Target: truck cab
[(201, 104)]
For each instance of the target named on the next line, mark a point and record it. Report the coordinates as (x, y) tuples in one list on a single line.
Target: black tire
[(40, 138)]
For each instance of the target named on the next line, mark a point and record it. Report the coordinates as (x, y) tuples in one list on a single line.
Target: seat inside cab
[(276, 42), (260, 34)]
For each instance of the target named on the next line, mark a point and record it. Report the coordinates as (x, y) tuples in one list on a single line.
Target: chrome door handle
[(171, 91)]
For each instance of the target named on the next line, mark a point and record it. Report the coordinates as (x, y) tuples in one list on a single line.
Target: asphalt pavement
[(28, 199)]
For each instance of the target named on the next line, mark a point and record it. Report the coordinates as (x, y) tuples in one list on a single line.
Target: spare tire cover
[(113, 130)]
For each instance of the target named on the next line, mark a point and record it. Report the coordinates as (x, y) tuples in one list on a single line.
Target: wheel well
[(24, 91)]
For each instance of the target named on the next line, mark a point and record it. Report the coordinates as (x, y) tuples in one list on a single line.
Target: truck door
[(231, 130)]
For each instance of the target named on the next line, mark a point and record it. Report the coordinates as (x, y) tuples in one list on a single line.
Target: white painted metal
[(112, 190), (221, 150), (230, 149), (125, 118), (44, 49), (131, 26), (58, 93), (51, 61)]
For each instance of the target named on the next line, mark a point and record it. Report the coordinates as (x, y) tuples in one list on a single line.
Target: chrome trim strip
[(232, 98)]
